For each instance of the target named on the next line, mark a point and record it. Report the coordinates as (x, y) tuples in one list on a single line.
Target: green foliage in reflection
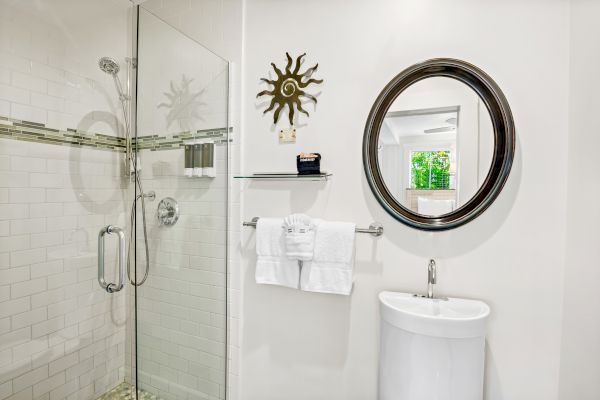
[(430, 170)]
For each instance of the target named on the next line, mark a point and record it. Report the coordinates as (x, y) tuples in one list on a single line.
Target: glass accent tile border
[(35, 132), (178, 140)]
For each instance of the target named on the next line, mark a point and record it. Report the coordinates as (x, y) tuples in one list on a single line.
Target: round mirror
[(439, 144)]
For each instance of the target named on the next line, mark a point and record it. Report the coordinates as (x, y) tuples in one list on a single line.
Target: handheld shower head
[(109, 65)]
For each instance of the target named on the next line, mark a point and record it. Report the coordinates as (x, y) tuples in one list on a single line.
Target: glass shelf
[(285, 176)]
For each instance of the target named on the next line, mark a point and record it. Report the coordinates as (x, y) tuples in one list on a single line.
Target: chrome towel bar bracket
[(375, 229)]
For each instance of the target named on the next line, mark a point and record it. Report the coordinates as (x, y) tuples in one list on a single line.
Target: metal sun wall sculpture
[(288, 88)]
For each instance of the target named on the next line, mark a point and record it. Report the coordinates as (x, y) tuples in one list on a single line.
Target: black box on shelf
[(308, 164)]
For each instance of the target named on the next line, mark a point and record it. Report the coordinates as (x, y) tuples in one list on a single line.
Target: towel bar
[(375, 229)]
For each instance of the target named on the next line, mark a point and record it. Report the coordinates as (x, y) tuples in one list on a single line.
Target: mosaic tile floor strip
[(125, 391), (35, 132)]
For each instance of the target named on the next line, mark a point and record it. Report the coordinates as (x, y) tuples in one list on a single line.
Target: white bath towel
[(330, 270), (272, 265), (299, 237), (434, 206)]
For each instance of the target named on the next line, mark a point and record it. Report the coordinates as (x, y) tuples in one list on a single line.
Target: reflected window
[(430, 169)]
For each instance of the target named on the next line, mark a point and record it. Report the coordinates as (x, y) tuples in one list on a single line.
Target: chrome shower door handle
[(111, 287)]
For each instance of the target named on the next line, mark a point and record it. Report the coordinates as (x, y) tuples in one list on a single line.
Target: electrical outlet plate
[(287, 135)]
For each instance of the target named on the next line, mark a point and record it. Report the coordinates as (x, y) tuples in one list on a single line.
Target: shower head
[(109, 65)]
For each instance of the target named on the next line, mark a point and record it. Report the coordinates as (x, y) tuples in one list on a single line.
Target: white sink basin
[(451, 318), (431, 348)]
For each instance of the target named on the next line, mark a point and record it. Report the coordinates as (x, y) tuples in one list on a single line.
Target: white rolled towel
[(272, 266), (299, 236)]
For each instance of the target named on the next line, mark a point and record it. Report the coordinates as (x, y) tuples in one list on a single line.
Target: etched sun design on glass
[(288, 88), (183, 104)]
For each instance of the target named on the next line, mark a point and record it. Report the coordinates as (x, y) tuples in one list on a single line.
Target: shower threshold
[(125, 391)]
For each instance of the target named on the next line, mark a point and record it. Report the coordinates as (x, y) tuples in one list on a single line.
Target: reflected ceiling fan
[(444, 129)]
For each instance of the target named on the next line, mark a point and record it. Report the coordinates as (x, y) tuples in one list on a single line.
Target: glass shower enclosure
[(113, 204)]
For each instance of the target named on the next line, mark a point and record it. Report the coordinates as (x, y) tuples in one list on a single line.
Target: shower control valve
[(167, 212)]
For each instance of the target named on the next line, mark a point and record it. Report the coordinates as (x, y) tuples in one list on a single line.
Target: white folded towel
[(299, 237), (330, 270), (272, 265)]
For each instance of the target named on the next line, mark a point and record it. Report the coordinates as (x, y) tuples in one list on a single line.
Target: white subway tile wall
[(218, 24), (182, 305), (61, 336), (48, 68), (182, 330)]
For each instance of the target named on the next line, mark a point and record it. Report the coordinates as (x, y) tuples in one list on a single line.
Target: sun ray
[(302, 110), (271, 106), (308, 82), (310, 71), (298, 63), (307, 95), (270, 82), (289, 64), (276, 113), (291, 113), (265, 92), (277, 70)]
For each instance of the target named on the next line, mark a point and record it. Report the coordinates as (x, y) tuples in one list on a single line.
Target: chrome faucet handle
[(431, 278), (432, 272)]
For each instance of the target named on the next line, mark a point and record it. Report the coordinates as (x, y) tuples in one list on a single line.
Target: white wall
[(580, 365), (308, 346)]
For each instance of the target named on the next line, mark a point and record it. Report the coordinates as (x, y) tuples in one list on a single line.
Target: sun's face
[(288, 88)]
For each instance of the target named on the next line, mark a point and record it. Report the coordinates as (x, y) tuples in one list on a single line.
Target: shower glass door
[(180, 263)]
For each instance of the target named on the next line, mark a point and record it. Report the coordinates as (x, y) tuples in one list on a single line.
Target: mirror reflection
[(435, 146)]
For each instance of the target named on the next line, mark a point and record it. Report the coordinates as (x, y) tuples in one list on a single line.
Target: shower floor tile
[(125, 391)]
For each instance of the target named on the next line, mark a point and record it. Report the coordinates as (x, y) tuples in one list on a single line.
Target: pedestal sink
[(431, 349)]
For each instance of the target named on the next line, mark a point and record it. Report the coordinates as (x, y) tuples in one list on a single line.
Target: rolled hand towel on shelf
[(330, 270), (299, 237), (273, 267)]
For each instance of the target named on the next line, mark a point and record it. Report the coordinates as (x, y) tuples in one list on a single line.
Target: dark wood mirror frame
[(504, 142)]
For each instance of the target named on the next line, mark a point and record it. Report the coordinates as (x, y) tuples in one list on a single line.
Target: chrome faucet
[(431, 278)]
